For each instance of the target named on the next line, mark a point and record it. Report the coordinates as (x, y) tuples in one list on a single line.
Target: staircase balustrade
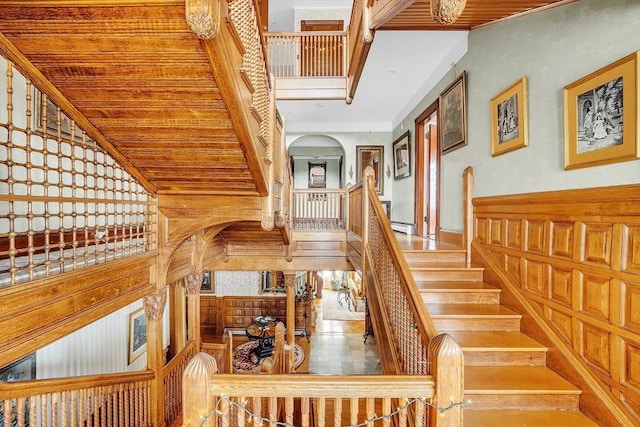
[(319, 210), (97, 400), (173, 372)]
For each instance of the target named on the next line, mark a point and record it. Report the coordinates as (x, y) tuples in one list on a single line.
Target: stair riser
[(504, 358), (471, 297), (462, 275), (475, 324), (526, 402), (434, 256)]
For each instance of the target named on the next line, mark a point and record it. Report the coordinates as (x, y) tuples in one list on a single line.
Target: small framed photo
[(509, 119), (453, 111), (137, 335), (401, 157), (208, 286), (601, 116)]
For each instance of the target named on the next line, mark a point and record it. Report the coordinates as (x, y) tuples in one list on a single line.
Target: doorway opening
[(427, 188)]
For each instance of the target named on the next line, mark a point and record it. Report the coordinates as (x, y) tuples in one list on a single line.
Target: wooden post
[(289, 282), (154, 304), (447, 369), (467, 211), (192, 284), (198, 402)]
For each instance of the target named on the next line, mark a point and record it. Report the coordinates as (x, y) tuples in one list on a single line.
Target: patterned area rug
[(245, 362)]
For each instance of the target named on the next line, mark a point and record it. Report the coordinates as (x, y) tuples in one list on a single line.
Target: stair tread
[(470, 310), (434, 265), (518, 418), (495, 340), (455, 286), (506, 379)]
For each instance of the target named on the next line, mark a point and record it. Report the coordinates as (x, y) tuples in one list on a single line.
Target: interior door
[(427, 188)]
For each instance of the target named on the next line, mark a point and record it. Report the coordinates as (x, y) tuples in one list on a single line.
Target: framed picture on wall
[(318, 175), (208, 285), (600, 116), (137, 335), (401, 157), (371, 155), (453, 120), (509, 119)]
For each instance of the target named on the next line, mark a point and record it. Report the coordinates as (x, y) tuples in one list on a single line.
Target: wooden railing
[(173, 372), (307, 54), (99, 400), (305, 400), (318, 209), (402, 325)]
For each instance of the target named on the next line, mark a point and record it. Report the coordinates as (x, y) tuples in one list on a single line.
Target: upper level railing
[(307, 54), (318, 210)]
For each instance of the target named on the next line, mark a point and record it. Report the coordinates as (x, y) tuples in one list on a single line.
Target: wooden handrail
[(10, 390)]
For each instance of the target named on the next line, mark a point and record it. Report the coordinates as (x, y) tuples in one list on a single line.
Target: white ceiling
[(401, 68)]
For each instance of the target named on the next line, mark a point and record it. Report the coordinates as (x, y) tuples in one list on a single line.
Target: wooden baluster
[(337, 413), (288, 402), (305, 412), (241, 413), (354, 410), (20, 405), (54, 409), (386, 409), (419, 414), (402, 418), (223, 407), (371, 410), (6, 410), (257, 409), (33, 412), (44, 413)]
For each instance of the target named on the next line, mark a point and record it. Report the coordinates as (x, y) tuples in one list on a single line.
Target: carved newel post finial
[(203, 17)]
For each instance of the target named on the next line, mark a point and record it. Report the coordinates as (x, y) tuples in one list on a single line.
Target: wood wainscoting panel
[(570, 260), (631, 250), (597, 246)]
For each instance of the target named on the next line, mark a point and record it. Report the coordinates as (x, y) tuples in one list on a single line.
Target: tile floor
[(338, 347)]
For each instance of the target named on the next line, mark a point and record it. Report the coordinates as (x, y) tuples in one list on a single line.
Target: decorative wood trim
[(247, 81), (570, 260), (40, 312)]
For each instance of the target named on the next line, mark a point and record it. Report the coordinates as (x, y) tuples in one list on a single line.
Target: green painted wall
[(552, 49)]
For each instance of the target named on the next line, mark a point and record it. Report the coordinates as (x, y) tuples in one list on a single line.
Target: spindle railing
[(318, 210), (173, 372), (307, 54), (98, 400)]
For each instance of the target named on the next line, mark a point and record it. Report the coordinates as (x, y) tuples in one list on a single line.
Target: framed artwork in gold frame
[(601, 116), (453, 115), (509, 119)]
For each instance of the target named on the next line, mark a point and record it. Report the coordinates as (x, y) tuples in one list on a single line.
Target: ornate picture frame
[(600, 116), (371, 155), (509, 121), (453, 115), (402, 156), (137, 335)]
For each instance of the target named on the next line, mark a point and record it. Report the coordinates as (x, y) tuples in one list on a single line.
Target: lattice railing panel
[(410, 344), (244, 18), (65, 203)]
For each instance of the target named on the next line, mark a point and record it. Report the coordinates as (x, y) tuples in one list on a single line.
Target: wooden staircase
[(506, 380)]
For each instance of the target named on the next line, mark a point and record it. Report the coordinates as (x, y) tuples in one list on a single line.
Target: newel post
[(447, 369), (467, 211), (198, 403)]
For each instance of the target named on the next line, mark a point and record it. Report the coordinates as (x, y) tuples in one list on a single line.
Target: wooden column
[(289, 282), (177, 339), (192, 284), (154, 304)]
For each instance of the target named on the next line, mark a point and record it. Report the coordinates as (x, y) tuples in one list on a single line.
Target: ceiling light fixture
[(447, 11)]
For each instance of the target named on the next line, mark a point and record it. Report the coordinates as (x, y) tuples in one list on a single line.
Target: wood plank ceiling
[(416, 15), (142, 79)]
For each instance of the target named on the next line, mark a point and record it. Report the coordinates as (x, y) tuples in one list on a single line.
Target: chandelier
[(447, 11)]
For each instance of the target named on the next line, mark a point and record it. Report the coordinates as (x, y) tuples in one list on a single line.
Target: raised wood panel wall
[(218, 313), (575, 257)]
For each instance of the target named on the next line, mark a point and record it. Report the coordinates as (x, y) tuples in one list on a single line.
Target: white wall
[(552, 49), (101, 347), (237, 283)]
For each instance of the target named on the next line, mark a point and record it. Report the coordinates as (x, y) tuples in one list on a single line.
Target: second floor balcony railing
[(318, 210), (307, 54)]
